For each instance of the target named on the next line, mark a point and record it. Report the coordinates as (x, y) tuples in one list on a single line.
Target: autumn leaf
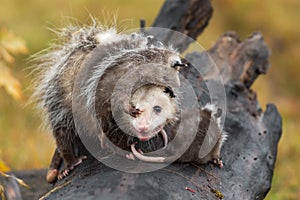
[(6, 56), (11, 84), (12, 43), (3, 167), (2, 194), (20, 181)]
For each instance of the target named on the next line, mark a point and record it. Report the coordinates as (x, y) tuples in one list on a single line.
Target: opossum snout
[(141, 126), (144, 129)]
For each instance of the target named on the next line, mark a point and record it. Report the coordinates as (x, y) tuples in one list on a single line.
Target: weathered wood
[(249, 154), (185, 16), (242, 61)]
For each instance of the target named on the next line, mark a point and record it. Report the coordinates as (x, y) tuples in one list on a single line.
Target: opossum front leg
[(216, 158), (70, 166), (65, 149), (213, 156), (56, 161)]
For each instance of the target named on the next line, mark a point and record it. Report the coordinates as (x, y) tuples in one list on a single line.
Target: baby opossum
[(151, 111), (134, 72), (210, 116), (150, 108)]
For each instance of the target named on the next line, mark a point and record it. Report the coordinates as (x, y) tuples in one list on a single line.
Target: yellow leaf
[(12, 43), (20, 181), (11, 84), (4, 167), (6, 56), (2, 194)]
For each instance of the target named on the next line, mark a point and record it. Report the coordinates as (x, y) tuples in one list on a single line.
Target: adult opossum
[(133, 77)]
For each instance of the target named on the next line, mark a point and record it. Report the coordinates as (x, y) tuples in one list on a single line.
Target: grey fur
[(97, 57), (78, 47)]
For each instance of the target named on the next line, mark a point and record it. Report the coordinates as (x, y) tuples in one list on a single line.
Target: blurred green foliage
[(24, 145)]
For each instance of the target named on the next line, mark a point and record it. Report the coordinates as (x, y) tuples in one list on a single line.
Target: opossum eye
[(157, 109), (178, 64)]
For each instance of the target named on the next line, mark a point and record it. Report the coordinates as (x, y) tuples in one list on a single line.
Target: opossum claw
[(62, 174), (65, 172), (218, 162), (130, 156)]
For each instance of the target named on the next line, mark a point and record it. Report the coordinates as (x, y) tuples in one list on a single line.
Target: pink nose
[(143, 128)]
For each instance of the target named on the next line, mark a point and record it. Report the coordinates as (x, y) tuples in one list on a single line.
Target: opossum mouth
[(148, 135), (140, 155)]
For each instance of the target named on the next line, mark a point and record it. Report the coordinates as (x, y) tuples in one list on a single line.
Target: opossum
[(132, 71), (150, 109), (210, 116)]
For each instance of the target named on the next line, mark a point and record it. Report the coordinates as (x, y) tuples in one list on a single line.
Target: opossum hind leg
[(54, 166), (216, 158), (218, 162), (66, 151), (53, 171), (70, 166)]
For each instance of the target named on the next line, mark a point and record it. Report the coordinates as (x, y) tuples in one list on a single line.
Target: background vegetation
[(23, 145)]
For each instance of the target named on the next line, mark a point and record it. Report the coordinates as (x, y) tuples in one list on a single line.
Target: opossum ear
[(132, 111), (218, 113), (169, 91), (178, 64)]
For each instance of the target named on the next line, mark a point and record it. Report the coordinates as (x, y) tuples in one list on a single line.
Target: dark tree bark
[(189, 17), (249, 154)]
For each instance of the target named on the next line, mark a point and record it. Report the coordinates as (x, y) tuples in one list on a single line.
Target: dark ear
[(131, 110), (169, 91), (218, 113), (177, 65)]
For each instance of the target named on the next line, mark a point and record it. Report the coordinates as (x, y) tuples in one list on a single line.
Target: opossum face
[(153, 107)]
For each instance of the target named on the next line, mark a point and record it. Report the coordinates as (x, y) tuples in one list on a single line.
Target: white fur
[(213, 108), (108, 36)]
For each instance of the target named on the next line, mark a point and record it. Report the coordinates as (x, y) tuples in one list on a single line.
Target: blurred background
[(24, 31)]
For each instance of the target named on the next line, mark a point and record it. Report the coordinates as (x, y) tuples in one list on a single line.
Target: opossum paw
[(130, 156), (62, 174), (218, 162), (65, 172), (51, 175), (140, 151)]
